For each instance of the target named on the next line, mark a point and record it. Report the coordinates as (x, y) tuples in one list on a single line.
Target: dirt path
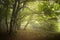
[(29, 35), (25, 35)]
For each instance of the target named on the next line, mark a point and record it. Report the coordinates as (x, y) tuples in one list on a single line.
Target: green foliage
[(40, 11)]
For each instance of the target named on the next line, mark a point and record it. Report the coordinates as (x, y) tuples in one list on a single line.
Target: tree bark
[(16, 9), (13, 17), (6, 19)]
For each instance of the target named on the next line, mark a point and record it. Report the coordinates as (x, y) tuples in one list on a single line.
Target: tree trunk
[(6, 19), (16, 8), (28, 22), (13, 17)]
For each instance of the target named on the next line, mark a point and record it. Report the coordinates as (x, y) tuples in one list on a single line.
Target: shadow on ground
[(29, 35)]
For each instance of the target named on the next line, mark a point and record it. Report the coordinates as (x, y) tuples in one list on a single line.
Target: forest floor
[(26, 35)]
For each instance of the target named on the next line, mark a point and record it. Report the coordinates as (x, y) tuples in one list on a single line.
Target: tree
[(16, 9)]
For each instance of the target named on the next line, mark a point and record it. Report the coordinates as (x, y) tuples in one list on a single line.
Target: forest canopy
[(29, 14)]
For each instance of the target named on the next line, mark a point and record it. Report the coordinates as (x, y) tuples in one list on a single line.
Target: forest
[(29, 19)]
